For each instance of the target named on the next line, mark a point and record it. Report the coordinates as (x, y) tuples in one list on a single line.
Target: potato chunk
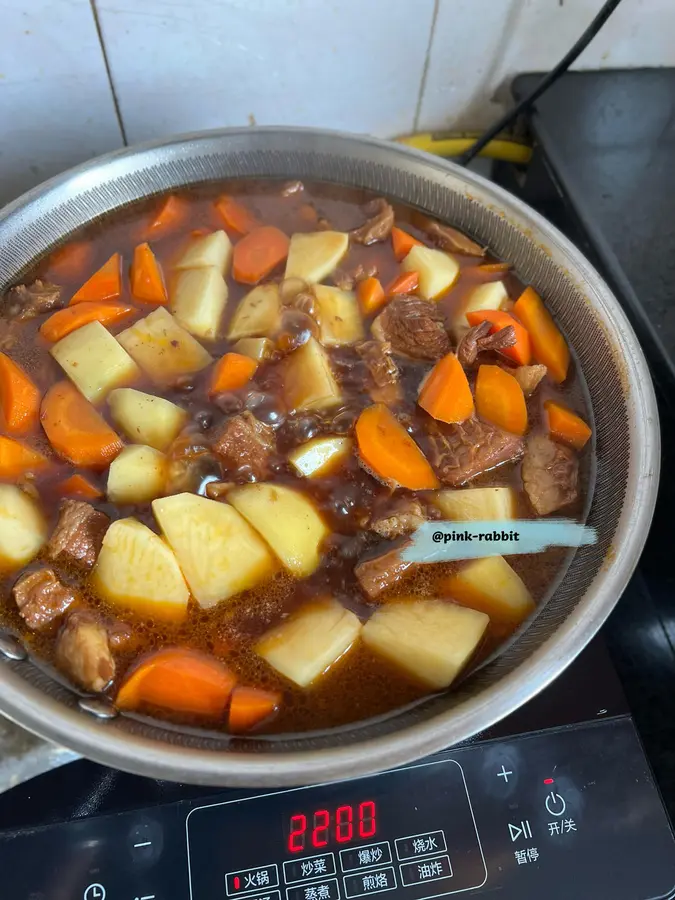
[(211, 250), (313, 256), (492, 586), (492, 295), (438, 271), (474, 504), (308, 643), (137, 475), (218, 551), (162, 348), (198, 299), (320, 456), (146, 419), (431, 640), (258, 349), (94, 361), (339, 316), (308, 380), (287, 520), (136, 569), (258, 313), (23, 528)]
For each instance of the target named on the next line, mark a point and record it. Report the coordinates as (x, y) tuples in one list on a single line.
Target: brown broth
[(360, 685)]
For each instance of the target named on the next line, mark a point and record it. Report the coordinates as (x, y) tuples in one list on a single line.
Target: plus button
[(504, 774)]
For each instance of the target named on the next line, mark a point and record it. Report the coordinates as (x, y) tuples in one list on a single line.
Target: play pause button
[(522, 830)]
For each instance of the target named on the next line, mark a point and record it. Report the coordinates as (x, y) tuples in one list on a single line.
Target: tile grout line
[(425, 69), (106, 63)]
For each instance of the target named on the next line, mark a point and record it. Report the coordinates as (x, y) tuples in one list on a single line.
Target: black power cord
[(544, 84)]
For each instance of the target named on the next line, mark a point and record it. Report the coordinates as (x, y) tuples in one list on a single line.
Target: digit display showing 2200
[(338, 825)]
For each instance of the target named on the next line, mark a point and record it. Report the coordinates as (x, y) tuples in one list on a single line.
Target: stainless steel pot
[(625, 427)]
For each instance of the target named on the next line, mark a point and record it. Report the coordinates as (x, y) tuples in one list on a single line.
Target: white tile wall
[(56, 108), (350, 64), (479, 45)]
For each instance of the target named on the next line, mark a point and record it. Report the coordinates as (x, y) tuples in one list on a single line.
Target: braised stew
[(225, 411)]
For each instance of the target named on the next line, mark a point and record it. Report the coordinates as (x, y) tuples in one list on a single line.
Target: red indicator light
[(237, 882), (548, 781)]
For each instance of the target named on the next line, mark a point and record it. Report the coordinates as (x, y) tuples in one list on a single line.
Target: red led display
[(340, 825)]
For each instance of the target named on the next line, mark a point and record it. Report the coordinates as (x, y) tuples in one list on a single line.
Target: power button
[(555, 804)]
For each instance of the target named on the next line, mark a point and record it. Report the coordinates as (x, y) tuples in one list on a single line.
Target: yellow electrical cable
[(451, 145)]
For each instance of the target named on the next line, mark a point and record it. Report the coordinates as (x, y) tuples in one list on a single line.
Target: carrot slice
[(79, 486), (258, 253), (68, 263), (71, 318), (500, 399), (181, 680), (521, 352), (402, 243), (446, 394), (370, 295), (494, 268), (75, 429), (390, 453), (235, 215), (548, 345), (405, 283), (19, 397), (249, 706), (16, 458), (566, 425), (170, 214), (231, 372), (147, 281), (104, 284)]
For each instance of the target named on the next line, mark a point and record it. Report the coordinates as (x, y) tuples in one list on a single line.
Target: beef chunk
[(404, 517), (528, 377), (83, 652), (121, 635), (377, 228), (10, 333), (345, 279), (78, 535), (414, 327), (381, 572), (26, 301), (243, 441), (479, 339), (448, 238), (550, 474), (461, 452), (41, 598), (384, 381), (218, 490)]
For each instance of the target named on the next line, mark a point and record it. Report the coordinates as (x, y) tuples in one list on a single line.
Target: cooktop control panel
[(558, 814), (371, 836)]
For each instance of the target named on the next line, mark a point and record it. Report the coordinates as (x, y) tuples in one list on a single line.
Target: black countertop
[(609, 144), (604, 173)]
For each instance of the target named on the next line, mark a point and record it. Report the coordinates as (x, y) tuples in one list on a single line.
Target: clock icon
[(94, 892)]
